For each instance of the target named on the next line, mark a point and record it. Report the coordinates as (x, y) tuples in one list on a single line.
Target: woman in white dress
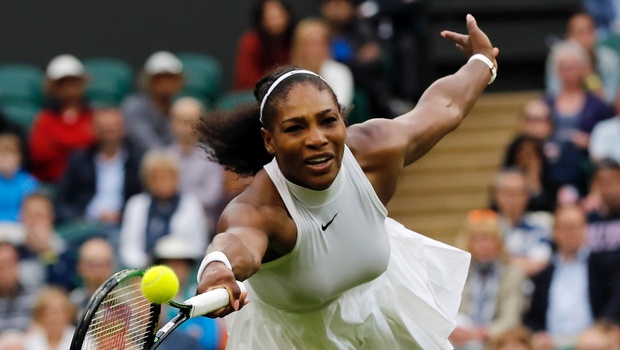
[(325, 267)]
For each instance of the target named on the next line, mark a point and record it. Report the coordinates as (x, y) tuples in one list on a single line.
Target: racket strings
[(123, 319)]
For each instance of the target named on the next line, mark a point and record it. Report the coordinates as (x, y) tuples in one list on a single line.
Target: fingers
[(237, 300), (472, 25), (458, 38)]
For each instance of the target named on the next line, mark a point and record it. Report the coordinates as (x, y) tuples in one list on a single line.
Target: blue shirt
[(12, 191), (110, 182), (569, 309)]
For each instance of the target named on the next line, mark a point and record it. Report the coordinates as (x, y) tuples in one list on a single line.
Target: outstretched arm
[(383, 147)]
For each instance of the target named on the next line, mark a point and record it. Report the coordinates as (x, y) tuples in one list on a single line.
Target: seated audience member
[(603, 73), (311, 51), (266, 45), (354, 42), (493, 294), (147, 114), (100, 179), (64, 125), (605, 137), (173, 252), (53, 317), (526, 239), (96, 263), (575, 112), (15, 183), (535, 120), (45, 256), (518, 338), (9, 127), (198, 174), (526, 154), (161, 210), (604, 223), (16, 299), (13, 340), (572, 291)]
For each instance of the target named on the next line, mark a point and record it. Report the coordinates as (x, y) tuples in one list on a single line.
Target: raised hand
[(476, 41)]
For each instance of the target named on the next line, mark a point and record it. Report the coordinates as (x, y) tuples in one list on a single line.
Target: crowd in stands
[(94, 185)]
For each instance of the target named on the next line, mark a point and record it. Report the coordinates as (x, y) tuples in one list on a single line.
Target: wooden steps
[(436, 192)]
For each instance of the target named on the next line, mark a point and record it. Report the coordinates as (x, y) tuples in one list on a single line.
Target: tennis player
[(324, 266)]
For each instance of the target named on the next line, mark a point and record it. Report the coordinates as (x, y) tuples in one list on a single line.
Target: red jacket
[(52, 140), (250, 66)]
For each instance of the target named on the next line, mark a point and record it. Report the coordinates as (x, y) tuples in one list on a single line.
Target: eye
[(329, 120), (293, 128)]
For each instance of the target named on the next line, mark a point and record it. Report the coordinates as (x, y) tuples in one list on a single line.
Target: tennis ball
[(160, 284)]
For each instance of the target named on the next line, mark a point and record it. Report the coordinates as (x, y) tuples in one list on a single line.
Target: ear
[(268, 140)]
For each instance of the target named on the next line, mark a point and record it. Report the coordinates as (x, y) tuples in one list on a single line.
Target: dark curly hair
[(233, 138)]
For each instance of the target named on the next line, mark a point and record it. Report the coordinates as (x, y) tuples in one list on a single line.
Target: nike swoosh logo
[(324, 227)]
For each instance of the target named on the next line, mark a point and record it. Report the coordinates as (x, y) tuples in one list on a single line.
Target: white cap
[(65, 66), (173, 247), (12, 232), (163, 62)]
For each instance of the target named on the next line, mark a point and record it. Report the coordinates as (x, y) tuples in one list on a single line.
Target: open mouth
[(318, 160)]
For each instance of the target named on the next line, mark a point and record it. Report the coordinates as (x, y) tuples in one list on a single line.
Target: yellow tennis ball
[(160, 284)]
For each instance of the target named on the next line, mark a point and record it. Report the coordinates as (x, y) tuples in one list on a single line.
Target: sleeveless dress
[(355, 278)]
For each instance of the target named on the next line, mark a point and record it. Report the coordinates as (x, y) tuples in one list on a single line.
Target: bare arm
[(383, 147)]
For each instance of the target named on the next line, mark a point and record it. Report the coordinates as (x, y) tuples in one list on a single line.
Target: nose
[(316, 138)]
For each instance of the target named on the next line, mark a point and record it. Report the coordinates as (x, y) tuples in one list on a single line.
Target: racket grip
[(210, 301)]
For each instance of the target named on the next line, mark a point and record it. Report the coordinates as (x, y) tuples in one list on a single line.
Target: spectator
[(53, 315), (311, 51), (45, 256), (602, 74), (354, 42), (147, 114), (526, 153), (65, 124), (604, 223), (96, 263), (15, 183), (173, 252), (605, 140), (161, 210), (535, 120), (198, 175), (13, 340), (526, 237), (99, 180), (9, 127), (266, 45), (572, 291), (493, 294), (16, 300)]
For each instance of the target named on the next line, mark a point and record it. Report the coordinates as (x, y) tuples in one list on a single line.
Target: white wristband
[(211, 257), (488, 62)]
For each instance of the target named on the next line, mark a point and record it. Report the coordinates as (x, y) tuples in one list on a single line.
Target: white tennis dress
[(355, 278)]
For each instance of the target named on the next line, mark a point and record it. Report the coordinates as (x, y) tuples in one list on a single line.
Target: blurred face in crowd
[(608, 182), (337, 12), (10, 155), (311, 45), (526, 153), (68, 89), (536, 120), (571, 69), (96, 262), (53, 311), (185, 117), (511, 195), (165, 85), (582, 30), (162, 182), (569, 229), (484, 245), (275, 18), (108, 126), (182, 268), (37, 212), (9, 266)]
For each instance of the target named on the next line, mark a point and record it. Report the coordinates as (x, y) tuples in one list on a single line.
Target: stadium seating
[(111, 79), (20, 84), (234, 98), (21, 114), (203, 77)]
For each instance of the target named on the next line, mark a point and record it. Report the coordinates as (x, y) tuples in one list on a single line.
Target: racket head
[(118, 316)]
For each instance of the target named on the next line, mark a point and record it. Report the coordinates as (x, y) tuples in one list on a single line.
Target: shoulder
[(374, 140), (138, 201)]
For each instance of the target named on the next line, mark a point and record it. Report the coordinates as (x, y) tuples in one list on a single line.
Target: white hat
[(65, 66), (173, 247), (12, 232), (163, 62)]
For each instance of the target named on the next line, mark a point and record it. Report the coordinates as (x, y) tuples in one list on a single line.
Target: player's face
[(308, 137)]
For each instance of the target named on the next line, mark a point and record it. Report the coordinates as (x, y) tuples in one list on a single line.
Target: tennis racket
[(119, 317)]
